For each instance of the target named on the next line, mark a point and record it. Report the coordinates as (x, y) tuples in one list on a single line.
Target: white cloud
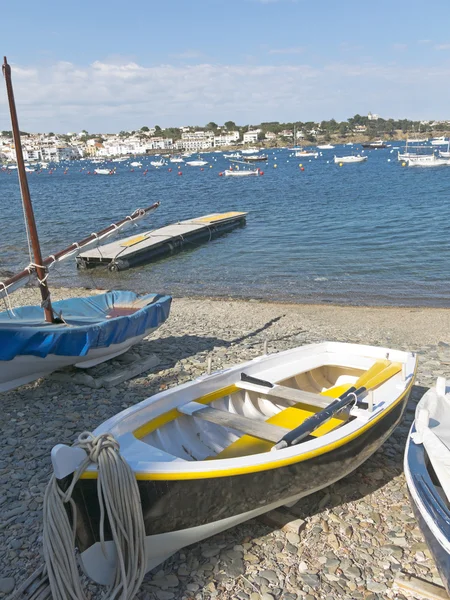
[(108, 96), (442, 47)]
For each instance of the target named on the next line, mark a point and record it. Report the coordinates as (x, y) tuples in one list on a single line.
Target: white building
[(226, 139), (197, 140), (250, 137), (373, 117)]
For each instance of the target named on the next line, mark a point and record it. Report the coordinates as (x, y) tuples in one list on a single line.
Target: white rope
[(119, 500), (7, 299)]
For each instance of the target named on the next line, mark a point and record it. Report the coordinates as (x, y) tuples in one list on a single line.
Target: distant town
[(50, 147)]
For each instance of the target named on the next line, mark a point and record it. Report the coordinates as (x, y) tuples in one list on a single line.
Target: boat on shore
[(427, 473), (244, 440), (36, 340), (350, 159)]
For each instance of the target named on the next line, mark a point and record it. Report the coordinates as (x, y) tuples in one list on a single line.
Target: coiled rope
[(119, 500)]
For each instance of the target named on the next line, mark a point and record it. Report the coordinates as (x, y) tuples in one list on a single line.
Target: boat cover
[(433, 431), (86, 325)]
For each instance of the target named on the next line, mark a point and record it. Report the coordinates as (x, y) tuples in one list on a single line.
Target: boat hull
[(95, 330), (432, 515), (181, 512)]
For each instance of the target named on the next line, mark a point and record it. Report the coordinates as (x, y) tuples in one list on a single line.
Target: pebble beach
[(351, 538)]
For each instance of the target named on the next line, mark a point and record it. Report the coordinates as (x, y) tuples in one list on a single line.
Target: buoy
[(132, 170), (403, 164), (210, 166), (389, 160), (202, 169), (88, 172), (302, 168), (274, 166), (170, 170), (261, 172), (221, 174), (180, 173), (340, 164), (300, 165)]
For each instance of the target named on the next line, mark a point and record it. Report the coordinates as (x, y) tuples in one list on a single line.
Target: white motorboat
[(104, 171), (439, 141), (196, 163), (158, 163), (177, 159), (120, 159), (224, 448), (136, 164), (230, 173), (427, 160), (235, 155), (306, 154), (325, 147), (350, 159), (249, 150), (444, 153)]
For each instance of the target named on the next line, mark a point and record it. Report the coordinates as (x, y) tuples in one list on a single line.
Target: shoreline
[(356, 534)]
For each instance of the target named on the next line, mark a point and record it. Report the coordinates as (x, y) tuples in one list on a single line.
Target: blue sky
[(107, 66)]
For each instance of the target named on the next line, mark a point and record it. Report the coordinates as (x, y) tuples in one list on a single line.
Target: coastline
[(357, 533)]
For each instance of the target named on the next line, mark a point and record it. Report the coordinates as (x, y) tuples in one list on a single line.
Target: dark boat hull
[(428, 507), (191, 509)]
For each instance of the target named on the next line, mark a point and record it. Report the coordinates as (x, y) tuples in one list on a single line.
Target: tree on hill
[(230, 125), (145, 128), (211, 126)]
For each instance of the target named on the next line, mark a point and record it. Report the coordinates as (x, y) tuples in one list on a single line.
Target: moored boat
[(196, 163), (325, 146), (377, 145), (306, 154), (255, 158), (158, 163), (427, 473), (104, 171), (350, 159), (230, 173), (427, 160), (244, 441)]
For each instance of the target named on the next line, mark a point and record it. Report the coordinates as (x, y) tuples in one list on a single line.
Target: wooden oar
[(369, 380)]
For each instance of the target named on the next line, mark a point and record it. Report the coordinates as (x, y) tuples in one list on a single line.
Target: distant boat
[(417, 140), (249, 150), (120, 159), (135, 164), (377, 145), (158, 163), (430, 160), (97, 161), (176, 159), (427, 473), (325, 147), (255, 173), (235, 155), (350, 159), (439, 141), (197, 163), (300, 153), (255, 158), (104, 171)]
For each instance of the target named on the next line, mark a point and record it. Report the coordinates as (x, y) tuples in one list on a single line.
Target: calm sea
[(374, 233)]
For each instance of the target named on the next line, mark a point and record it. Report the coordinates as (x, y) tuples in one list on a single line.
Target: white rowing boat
[(227, 447), (229, 173), (350, 159)]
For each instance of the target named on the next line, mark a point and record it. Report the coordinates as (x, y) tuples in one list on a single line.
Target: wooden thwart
[(284, 392), (259, 429)]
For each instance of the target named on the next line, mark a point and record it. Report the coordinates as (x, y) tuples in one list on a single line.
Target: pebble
[(356, 534)]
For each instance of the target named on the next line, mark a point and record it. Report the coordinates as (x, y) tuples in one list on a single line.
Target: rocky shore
[(357, 533)]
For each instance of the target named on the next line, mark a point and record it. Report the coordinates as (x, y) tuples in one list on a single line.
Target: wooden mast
[(26, 199)]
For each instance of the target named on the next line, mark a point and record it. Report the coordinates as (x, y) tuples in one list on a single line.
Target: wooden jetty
[(151, 245)]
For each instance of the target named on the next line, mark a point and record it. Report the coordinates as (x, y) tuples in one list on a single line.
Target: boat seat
[(262, 430), (291, 395)]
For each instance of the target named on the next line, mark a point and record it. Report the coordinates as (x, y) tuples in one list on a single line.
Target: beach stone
[(374, 586), (7, 584)]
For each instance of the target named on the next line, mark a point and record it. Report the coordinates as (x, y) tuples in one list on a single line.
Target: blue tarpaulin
[(86, 325)]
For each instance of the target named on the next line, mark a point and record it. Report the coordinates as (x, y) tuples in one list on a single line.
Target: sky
[(107, 66)]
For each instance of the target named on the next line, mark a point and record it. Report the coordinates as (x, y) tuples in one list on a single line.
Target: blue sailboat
[(36, 340)]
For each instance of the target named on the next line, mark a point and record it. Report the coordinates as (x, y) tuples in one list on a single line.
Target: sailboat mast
[(26, 199)]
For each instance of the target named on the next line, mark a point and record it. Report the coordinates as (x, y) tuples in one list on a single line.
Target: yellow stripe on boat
[(158, 422), (214, 218), (134, 240)]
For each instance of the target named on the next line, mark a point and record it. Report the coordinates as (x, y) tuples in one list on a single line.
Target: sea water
[(374, 233)]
